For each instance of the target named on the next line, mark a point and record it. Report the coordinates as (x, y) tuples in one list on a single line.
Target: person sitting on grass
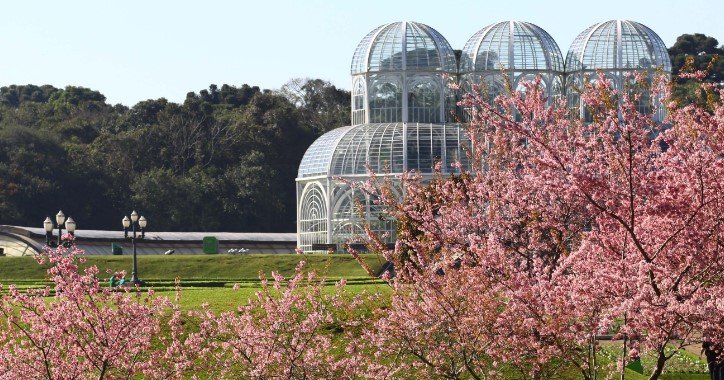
[(118, 279)]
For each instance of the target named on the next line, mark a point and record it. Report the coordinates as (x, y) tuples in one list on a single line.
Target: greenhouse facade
[(404, 116)]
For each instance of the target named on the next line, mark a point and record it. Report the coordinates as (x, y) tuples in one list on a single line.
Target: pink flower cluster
[(85, 331)]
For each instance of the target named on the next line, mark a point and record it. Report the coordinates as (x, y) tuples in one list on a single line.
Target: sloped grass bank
[(206, 278), (199, 268)]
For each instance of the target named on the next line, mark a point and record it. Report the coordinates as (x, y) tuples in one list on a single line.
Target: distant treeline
[(224, 159)]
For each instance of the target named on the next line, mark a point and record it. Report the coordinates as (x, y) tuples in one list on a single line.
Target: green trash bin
[(635, 365), (116, 249), (211, 245)]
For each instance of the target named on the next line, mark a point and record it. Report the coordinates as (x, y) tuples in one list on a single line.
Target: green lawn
[(207, 278), (206, 267), (684, 365), (224, 299)]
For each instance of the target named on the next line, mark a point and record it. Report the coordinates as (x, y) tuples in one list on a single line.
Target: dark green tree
[(703, 49), (323, 106), (224, 159), (692, 52), (32, 164), (14, 95)]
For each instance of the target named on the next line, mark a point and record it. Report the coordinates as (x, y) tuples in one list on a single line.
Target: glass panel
[(421, 50), (379, 145), (360, 58), (557, 87), (452, 111), (423, 99), (386, 50), (318, 156), (573, 93), (385, 98), (358, 102)]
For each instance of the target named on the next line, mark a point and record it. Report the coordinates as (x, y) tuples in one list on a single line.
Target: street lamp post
[(131, 223), (60, 221)]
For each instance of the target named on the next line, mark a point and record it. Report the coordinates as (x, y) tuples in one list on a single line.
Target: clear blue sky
[(135, 50)]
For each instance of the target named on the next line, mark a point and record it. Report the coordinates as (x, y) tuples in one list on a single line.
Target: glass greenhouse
[(405, 117)]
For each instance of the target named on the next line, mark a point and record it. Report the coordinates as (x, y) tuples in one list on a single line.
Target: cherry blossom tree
[(573, 228), (564, 230), (86, 331), (285, 332)]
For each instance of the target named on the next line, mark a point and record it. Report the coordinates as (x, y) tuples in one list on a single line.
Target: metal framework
[(330, 210), (404, 115)]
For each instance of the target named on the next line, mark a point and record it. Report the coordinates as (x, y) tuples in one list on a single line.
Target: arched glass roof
[(386, 148), (511, 45), (617, 45), (379, 145), (317, 157), (403, 46)]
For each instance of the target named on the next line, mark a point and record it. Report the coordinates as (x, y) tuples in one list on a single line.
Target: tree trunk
[(716, 366), (660, 361), (623, 354)]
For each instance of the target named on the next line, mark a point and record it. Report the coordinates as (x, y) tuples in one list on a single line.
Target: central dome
[(403, 46), (512, 52), (511, 45)]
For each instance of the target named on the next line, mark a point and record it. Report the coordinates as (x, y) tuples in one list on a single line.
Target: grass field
[(200, 267), (224, 299), (207, 278)]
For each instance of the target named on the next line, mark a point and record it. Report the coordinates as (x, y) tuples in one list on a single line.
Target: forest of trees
[(223, 160)]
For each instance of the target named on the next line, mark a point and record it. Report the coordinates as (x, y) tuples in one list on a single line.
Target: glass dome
[(401, 72), (615, 48), (511, 45), (386, 148), (402, 46), (511, 51), (617, 45)]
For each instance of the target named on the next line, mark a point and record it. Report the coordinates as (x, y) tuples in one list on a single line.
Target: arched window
[(385, 99), (312, 216), (358, 102), (349, 215), (528, 78), (354, 210), (423, 100)]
